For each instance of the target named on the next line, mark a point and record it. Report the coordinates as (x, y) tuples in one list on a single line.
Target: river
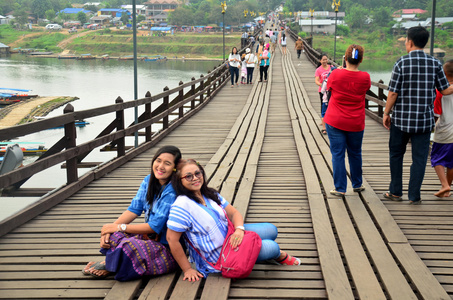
[(96, 83)]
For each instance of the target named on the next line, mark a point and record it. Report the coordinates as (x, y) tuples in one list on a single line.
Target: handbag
[(237, 262)]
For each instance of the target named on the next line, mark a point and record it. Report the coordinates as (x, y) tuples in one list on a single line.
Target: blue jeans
[(234, 71), (268, 233), (420, 149), (340, 141)]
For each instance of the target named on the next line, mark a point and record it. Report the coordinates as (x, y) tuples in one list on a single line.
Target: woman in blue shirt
[(130, 248), (198, 213)]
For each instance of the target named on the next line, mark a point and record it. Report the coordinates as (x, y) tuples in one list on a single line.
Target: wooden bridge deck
[(263, 148)]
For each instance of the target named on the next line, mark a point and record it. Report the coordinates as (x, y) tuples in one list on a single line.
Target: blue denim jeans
[(234, 71), (420, 149), (340, 141), (268, 233)]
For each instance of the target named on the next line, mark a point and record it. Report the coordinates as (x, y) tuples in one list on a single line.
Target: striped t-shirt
[(205, 226)]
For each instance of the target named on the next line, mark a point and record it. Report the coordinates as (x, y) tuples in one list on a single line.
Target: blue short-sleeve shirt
[(157, 216)]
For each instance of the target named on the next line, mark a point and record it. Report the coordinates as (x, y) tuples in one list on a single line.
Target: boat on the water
[(10, 96), (86, 56), (40, 53), (81, 123), (27, 151), (67, 56), (126, 57), (155, 58), (105, 57)]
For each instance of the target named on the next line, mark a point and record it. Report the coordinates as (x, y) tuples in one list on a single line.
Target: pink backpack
[(237, 262)]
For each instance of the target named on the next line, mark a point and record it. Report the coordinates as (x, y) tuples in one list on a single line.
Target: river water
[(97, 83)]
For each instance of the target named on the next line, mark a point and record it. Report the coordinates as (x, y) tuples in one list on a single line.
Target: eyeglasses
[(189, 177)]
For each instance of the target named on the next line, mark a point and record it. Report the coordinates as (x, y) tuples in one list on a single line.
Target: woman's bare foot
[(96, 269), (443, 192), (87, 267)]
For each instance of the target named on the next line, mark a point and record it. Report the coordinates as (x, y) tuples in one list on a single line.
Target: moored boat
[(86, 57), (27, 151), (67, 56), (155, 58)]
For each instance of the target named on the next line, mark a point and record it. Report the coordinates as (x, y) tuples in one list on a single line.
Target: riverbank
[(116, 43), (26, 110)]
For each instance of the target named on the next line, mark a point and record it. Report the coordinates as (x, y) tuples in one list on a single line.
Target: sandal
[(336, 193), (392, 197), (289, 260), (99, 266), (324, 131), (94, 265)]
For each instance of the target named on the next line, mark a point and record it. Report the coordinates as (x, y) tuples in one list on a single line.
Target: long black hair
[(206, 191), (154, 185), (283, 37), (232, 52)]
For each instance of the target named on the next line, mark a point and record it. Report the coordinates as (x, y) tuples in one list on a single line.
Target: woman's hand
[(109, 228), (236, 238), (105, 241), (192, 275)]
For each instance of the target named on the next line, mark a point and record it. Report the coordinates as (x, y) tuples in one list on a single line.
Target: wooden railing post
[(192, 103), (148, 129), (166, 104), (181, 98), (201, 89), (381, 97), (71, 135), (120, 146), (208, 94)]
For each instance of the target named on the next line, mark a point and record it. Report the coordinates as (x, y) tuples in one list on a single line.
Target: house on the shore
[(323, 26), (140, 9), (4, 49), (74, 11), (113, 12), (159, 8)]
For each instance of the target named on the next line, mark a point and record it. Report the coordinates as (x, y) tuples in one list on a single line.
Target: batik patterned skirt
[(132, 256)]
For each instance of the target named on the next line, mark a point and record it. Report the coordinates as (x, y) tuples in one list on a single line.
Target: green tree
[(183, 15), (356, 16), (140, 18), (82, 17), (21, 16), (50, 14), (382, 16), (91, 7), (124, 18), (39, 7)]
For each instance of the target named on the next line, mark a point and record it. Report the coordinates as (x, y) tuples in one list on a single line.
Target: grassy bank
[(377, 46), (187, 45), (9, 34)]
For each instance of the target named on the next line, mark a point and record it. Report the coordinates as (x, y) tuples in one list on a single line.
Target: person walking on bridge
[(299, 47), (234, 61), (135, 250), (412, 90), (345, 119)]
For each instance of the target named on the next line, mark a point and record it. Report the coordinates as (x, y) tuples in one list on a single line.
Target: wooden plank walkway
[(263, 148)]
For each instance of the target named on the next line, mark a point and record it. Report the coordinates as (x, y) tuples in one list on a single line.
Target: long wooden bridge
[(262, 146)]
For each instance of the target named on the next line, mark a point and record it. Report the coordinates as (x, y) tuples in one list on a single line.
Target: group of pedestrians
[(409, 115)]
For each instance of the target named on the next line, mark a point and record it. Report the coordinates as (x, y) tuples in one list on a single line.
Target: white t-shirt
[(284, 41), (234, 63), (443, 132), (251, 58)]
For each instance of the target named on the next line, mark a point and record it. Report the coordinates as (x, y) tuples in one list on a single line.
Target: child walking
[(442, 149), (243, 70)]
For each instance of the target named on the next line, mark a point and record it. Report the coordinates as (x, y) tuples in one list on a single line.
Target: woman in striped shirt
[(199, 214)]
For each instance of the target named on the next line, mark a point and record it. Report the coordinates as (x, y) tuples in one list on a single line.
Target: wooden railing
[(374, 104)]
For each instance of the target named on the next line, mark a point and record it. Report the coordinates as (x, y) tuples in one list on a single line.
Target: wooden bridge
[(262, 146)]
